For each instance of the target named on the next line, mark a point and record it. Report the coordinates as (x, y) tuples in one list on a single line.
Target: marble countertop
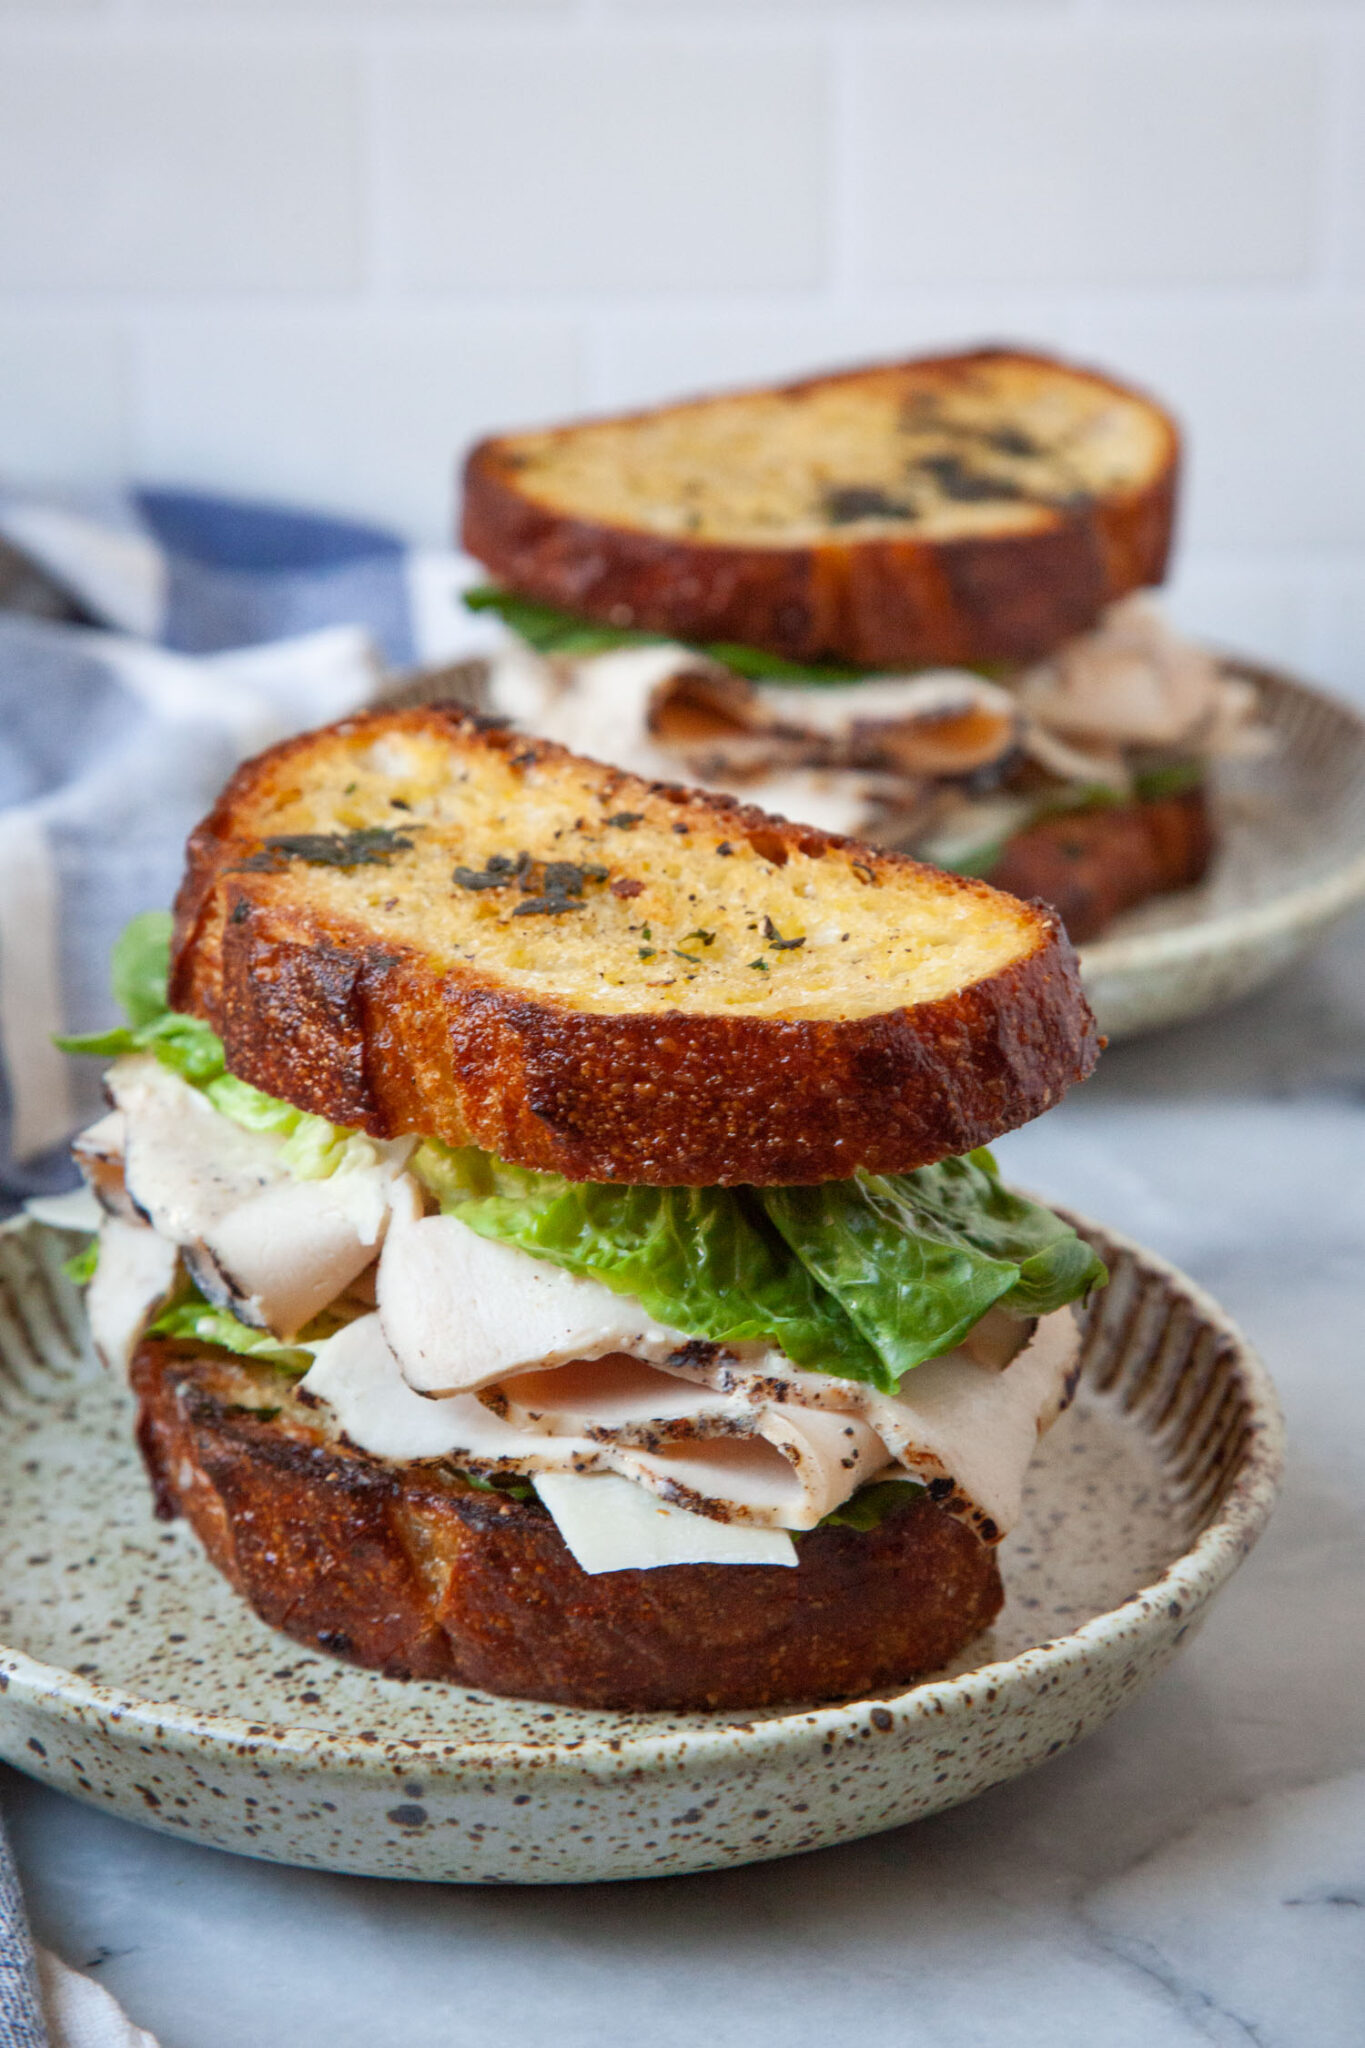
[(1192, 1874)]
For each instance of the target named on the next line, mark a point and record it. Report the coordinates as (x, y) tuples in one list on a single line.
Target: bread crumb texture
[(941, 450), (519, 865)]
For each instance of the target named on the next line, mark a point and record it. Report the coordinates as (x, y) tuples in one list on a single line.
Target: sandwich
[(547, 1224), (904, 602)]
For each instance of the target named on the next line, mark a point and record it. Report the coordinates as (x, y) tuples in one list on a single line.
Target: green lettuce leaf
[(190, 1315), (140, 967), (916, 1259), (80, 1267), (869, 1507), (551, 631), (701, 1260), (197, 1318)]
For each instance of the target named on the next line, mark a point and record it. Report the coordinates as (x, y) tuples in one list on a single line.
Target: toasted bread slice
[(411, 1570), (1093, 865), (964, 508), (411, 924)]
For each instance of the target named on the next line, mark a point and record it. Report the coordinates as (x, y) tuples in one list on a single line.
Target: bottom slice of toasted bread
[(412, 1571), (1090, 866)]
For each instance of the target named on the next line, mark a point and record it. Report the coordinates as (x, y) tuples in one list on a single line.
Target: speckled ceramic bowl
[(132, 1677), (1290, 861)]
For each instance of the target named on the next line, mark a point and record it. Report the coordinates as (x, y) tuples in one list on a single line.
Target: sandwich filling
[(680, 1374), (949, 763)]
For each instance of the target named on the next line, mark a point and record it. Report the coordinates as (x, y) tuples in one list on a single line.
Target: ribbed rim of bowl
[(1189, 1581), (1303, 906)]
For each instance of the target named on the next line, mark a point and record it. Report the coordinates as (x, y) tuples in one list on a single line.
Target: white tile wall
[(631, 164), (143, 163), (64, 411), (311, 247), (365, 415), (1048, 157)]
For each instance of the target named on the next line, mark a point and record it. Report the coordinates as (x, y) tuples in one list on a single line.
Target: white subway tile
[(63, 399), (1089, 158), (154, 165), (1270, 399), (367, 414), (620, 164), (647, 358)]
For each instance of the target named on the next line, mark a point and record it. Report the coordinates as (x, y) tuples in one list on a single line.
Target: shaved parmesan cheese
[(611, 1525)]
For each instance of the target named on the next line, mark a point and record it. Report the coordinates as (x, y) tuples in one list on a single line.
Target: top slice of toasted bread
[(409, 922), (964, 508)]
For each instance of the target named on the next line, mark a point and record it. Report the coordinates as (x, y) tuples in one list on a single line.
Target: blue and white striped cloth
[(221, 626)]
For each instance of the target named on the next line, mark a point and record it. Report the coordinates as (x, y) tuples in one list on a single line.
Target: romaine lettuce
[(197, 1318), (915, 1259), (887, 1270)]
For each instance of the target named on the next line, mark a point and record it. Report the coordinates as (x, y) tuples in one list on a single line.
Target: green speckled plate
[(132, 1677)]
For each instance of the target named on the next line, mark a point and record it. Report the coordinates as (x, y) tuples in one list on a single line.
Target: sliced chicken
[(791, 1482), (461, 1311), (964, 1429), (272, 1249), (360, 1379), (132, 1283), (98, 1152), (736, 1432), (75, 1210), (601, 707), (279, 1258), (185, 1165), (1133, 681), (647, 707)]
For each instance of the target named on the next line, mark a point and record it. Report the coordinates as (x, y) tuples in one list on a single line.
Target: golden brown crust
[(1093, 865), (411, 1572), (313, 1009), (880, 601)]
